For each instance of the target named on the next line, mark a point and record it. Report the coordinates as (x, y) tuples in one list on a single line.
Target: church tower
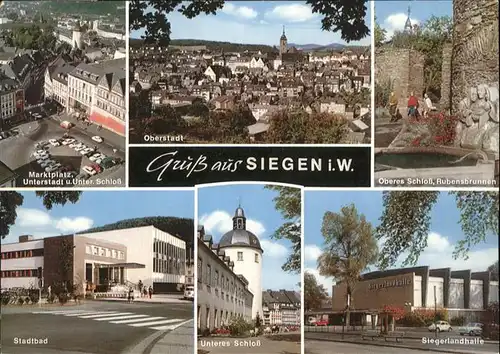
[(283, 43), (77, 36)]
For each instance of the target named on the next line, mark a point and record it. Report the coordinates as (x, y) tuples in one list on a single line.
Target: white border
[(372, 86), (302, 265), (195, 273), (272, 146), (127, 88)]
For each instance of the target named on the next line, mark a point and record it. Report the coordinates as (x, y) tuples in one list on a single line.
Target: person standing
[(140, 285), (412, 105), (150, 291)]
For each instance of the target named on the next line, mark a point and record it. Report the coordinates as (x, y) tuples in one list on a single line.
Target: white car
[(54, 142), (74, 144), (53, 167), (42, 159), (47, 163), (68, 141), (440, 326), (41, 155), (80, 147), (471, 329), (89, 170), (86, 151), (97, 139), (96, 157), (189, 293)]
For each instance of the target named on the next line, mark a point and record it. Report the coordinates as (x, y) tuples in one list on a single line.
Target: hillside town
[(203, 93), (62, 88)]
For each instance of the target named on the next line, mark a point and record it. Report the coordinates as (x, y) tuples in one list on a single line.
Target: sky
[(216, 207), (444, 232), (96, 208), (257, 22), (392, 15)]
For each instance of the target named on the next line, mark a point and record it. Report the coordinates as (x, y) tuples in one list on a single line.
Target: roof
[(6, 174)]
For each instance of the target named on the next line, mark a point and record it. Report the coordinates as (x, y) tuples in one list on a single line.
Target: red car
[(96, 167), (321, 323)]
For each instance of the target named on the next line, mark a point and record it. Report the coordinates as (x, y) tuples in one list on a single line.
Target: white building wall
[(169, 278), (476, 294), (438, 283), (417, 291), (21, 264), (252, 271), (493, 297), (139, 243), (456, 297)]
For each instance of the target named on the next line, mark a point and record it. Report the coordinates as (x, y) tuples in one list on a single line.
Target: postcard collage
[(249, 177)]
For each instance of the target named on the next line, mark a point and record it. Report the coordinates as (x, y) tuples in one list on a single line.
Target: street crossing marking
[(126, 318)]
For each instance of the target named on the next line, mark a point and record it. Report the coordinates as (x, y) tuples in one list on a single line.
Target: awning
[(122, 265)]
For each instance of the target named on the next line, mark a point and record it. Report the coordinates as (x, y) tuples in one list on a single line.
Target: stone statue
[(478, 125)]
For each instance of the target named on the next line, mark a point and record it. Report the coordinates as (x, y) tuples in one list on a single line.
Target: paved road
[(16, 152), (314, 340), (94, 327)]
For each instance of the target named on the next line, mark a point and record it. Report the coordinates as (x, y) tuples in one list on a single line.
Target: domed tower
[(283, 42), (243, 247), (77, 36)]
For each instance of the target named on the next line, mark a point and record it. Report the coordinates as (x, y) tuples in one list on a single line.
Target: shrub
[(34, 298), (441, 130), (6, 298), (423, 317), (238, 326), (51, 298), (458, 321), (20, 301), (27, 300), (204, 332)]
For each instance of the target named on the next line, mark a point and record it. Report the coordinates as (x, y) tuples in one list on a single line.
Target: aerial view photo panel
[(250, 72), (62, 88)]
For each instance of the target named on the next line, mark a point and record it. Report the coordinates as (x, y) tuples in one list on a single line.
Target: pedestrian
[(145, 292), (130, 295), (140, 285), (150, 291)]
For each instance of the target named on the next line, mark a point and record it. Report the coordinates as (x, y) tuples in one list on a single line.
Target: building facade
[(11, 98), (243, 248), (281, 308), (463, 293), (222, 293), (99, 260)]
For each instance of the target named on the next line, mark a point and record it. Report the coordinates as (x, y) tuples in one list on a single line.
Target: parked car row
[(8, 133), (48, 164), (91, 152)]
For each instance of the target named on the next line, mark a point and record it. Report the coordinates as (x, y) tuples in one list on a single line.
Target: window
[(256, 258), (208, 281), (88, 249), (240, 256), (216, 282), (96, 251), (200, 268)]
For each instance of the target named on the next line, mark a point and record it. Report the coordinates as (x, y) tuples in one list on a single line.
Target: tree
[(289, 203), (344, 16), (10, 201), (405, 223), (493, 269), (349, 249), (314, 293), (380, 34), (299, 127)]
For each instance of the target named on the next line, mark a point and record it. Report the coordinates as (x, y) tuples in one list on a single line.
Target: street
[(16, 152), (321, 343), (94, 327)]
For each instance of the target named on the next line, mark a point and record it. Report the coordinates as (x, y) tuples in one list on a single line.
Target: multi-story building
[(99, 258), (222, 294), (99, 90), (11, 98), (281, 307)]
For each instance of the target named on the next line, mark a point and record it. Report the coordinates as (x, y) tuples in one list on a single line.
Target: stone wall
[(475, 46), (404, 68), (446, 76)]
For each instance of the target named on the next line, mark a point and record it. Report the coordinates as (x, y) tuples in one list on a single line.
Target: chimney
[(26, 238)]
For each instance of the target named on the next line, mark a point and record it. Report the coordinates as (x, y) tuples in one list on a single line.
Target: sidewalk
[(156, 299), (178, 341)]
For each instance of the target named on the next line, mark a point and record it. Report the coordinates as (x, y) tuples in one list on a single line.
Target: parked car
[(89, 170), (96, 167), (47, 163), (82, 176), (80, 148), (74, 144), (42, 159), (86, 151), (97, 139), (440, 326), (471, 329), (53, 167), (96, 157), (68, 141), (189, 292), (321, 323), (41, 154), (54, 142)]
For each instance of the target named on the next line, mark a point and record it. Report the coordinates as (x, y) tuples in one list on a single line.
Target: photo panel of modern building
[(437, 105), (131, 273), (283, 70), (63, 93), (377, 266), (238, 259)]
